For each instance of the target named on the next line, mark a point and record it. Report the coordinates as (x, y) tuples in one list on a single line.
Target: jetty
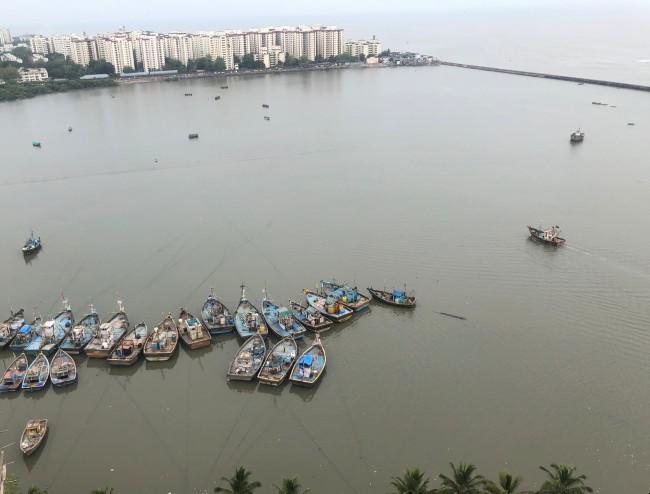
[(579, 80)]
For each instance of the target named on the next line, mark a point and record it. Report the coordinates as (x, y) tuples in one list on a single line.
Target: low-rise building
[(8, 57), (370, 48), (33, 75)]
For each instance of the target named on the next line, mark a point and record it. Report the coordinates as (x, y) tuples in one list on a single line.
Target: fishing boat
[(188, 94), (10, 327), (63, 370), (130, 347), (248, 359), (25, 335), (310, 366), (82, 333), (265, 105), (309, 317), (32, 244), (280, 320), (162, 341), (109, 335), (224, 87), (37, 374), (13, 377), (248, 320), (550, 235), (349, 296), (217, 98), (396, 298), (33, 435), (69, 129), (577, 136), (36, 144), (267, 118), (278, 362), (192, 332), (193, 136), (216, 316), (329, 307), (53, 332)]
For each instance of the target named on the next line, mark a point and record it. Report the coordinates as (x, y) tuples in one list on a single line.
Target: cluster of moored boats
[(52, 343)]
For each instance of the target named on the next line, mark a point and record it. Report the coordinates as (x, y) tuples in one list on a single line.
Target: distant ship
[(549, 235), (577, 136)]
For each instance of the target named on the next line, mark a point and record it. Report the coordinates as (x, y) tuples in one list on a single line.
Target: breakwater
[(582, 80)]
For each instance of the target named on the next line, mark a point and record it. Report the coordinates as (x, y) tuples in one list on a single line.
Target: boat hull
[(377, 295), (219, 330), (100, 353), (123, 362), (160, 357)]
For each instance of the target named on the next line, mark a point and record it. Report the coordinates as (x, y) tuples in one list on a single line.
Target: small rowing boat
[(329, 307), (13, 377), (25, 335), (37, 374), (129, 349), (248, 359), (54, 331), (281, 321), (162, 342), (278, 362), (10, 327), (309, 317), (248, 320), (109, 335), (33, 435), (310, 366), (345, 294), (82, 333), (63, 370), (216, 316), (192, 332), (396, 298)]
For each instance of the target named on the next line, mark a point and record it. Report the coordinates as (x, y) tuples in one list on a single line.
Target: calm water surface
[(424, 175)]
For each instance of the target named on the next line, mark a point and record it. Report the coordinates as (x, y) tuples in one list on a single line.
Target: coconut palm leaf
[(507, 485), (412, 482), (239, 483), (562, 479), (462, 481), (291, 486)]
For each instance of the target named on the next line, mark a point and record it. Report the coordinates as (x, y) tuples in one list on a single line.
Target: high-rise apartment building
[(5, 36), (39, 44)]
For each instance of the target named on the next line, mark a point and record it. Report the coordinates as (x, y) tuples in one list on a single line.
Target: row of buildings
[(127, 50)]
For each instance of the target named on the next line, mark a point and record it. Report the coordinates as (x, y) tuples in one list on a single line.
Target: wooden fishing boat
[(217, 98), (37, 374), (32, 244), (162, 341), (25, 335), (278, 362), (109, 335), (192, 332), (345, 294), (248, 359), (216, 316), (550, 236), (310, 366), (130, 347), (329, 307), (193, 136), (10, 327), (224, 87), (309, 317), (280, 320), (82, 333), (33, 435), (264, 105), (13, 377), (248, 320), (54, 332), (396, 298), (63, 370)]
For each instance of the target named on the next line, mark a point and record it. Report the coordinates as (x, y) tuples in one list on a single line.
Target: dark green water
[(425, 175)]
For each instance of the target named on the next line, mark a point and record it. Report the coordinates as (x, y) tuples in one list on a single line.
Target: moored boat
[(577, 136), (550, 235), (82, 333), (13, 377), (396, 298), (37, 374), (53, 332), (109, 335), (25, 335), (33, 435), (310, 317), (349, 296), (329, 307), (248, 320), (130, 347), (216, 316), (278, 362), (63, 369), (248, 359), (10, 327), (162, 341), (310, 366), (281, 321), (32, 244), (192, 332)]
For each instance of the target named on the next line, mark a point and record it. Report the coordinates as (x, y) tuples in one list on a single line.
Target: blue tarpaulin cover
[(398, 294), (307, 360), (25, 329)]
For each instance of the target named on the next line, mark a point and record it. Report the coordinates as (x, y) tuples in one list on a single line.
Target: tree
[(291, 486), (171, 64), (239, 483), (105, 490), (412, 482), (362, 57), (385, 53), (462, 481), (100, 66), (127, 70), (8, 73), (507, 484), (562, 480), (36, 490), (25, 54), (248, 62), (219, 65)]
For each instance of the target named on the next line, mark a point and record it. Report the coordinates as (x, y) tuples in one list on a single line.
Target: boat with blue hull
[(280, 320), (248, 320), (63, 369), (278, 362), (10, 327), (25, 335), (329, 307), (309, 317), (52, 333), (13, 377), (32, 244), (310, 366), (216, 316), (109, 335), (348, 295), (82, 333), (37, 374)]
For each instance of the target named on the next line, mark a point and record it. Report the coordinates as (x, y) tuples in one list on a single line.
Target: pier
[(581, 80)]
